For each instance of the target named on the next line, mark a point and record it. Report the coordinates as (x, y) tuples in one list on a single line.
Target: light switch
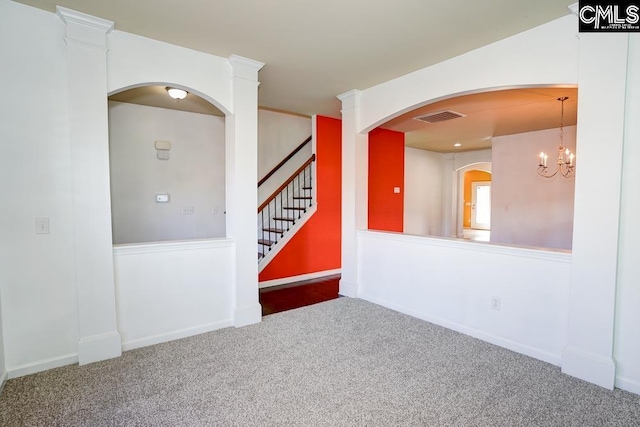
[(396, 190), (42, 225)]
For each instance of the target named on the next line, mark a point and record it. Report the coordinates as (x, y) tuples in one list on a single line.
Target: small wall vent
[(439, 116)]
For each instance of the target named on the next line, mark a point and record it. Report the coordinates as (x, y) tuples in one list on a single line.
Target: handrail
[(287, 182), (285, 160)]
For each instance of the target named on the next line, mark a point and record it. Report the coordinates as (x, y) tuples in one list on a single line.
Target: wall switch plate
[(162, 198), (396, 190), (42, 225), (495, 303), (188, 210), (163, 154)]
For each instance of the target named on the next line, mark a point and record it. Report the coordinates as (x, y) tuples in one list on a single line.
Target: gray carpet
[(344, 362)]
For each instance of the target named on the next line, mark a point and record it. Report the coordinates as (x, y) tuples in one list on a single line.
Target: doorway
[(481, 205)]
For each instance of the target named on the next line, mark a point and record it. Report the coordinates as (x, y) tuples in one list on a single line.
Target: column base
[(589, 367), (348, 289), (247, 316), (99, 347)]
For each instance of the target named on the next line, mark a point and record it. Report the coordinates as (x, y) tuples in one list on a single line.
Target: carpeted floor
[(343, 362)]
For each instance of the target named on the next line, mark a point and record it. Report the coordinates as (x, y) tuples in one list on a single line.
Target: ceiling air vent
[(439, 116)]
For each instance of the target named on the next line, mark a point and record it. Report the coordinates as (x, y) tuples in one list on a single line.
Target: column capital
[(245, 68), (85, 29), (351, 99)]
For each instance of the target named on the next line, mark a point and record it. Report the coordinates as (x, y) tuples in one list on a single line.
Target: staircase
[(287, 205)]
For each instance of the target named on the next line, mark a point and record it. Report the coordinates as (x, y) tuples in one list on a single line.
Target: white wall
[(193, 176), (627, 339), (527, 209), (171, 290), (278, 135), (422, 192), (50, 313), (451, 283), (3, 371), (39, 298)]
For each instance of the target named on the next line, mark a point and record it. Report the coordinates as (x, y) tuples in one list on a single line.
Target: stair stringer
[(276, 248)]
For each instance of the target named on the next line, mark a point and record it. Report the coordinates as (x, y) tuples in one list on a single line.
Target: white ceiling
[(315, 51)]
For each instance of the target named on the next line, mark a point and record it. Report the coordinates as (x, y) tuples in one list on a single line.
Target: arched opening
[(496, 130), (167, 166)]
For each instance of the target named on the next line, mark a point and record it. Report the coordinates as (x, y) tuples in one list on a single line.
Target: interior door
[(481, 205)]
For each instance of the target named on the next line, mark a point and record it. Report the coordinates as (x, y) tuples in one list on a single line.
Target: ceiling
[(487, 115), (315, 51)]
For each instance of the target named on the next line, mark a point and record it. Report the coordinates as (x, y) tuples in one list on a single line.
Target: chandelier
[(565, 164)]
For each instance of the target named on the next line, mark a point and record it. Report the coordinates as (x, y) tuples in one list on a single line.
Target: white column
[(355, 166), (241, 187), (86, 38), (601, 109), (449, 190)]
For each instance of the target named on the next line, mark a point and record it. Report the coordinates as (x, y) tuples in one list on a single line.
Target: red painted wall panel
[(386, 171), (316, 246)]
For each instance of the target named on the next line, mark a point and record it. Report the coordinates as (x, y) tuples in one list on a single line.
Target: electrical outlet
[(188, 210), (495, 303), (42, 225)]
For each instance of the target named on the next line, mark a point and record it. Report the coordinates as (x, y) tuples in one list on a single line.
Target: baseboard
[(174, 335), (99, 347), (589, 367), (3, 380), (42, 365), (627, 384), (348, 289), (536, 353), (246, 316), (300, 278)]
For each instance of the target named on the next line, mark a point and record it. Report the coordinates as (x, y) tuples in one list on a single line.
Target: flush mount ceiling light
[(177, 94), (564, 165)]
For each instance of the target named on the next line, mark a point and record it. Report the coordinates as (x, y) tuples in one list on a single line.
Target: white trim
[(3, 380), (69, 15), (628, 384), (300, 278), (270, 255), (175, 335), (42, 365), (246, 316), (96, 348), (171, 246), (588, 366), (556, 255), (574, 9), (545, 356)]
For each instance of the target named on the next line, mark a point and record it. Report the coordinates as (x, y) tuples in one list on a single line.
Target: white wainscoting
[(171, 290), (451, 283)]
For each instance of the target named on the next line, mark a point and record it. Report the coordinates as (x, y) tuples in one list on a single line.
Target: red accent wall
[(386, 171), (316, 246)]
